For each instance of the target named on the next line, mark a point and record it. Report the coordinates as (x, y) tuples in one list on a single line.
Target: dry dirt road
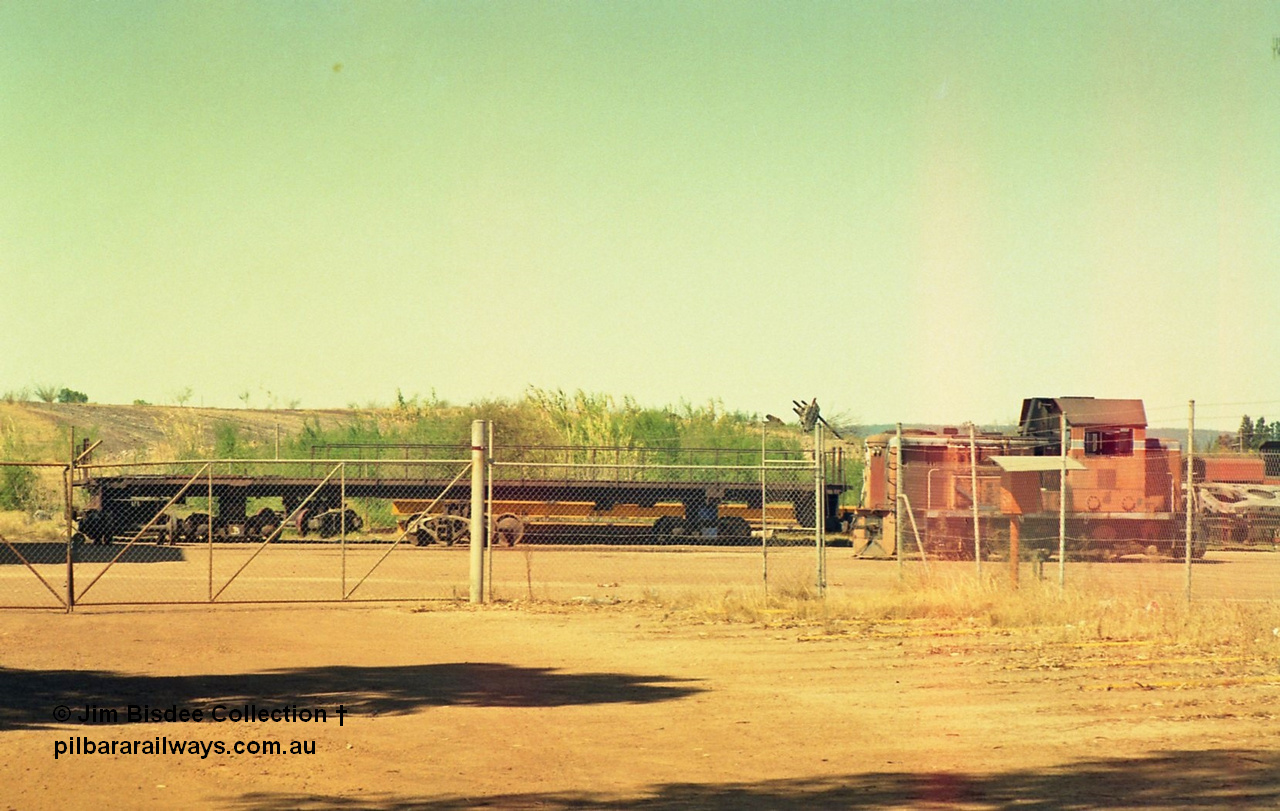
[(620, 707)]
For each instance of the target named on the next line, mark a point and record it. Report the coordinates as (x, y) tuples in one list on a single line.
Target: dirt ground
[(626, 706)]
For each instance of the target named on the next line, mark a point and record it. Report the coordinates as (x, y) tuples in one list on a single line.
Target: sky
[(918, 212)]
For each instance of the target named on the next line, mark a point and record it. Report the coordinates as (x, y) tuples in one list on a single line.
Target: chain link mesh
[(351, 524), (608, 524), (33, 536)]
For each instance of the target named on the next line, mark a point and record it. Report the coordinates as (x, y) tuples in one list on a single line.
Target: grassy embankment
[(541, 419)]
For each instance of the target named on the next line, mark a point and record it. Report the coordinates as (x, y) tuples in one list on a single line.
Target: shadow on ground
[(55, 552), (1209, 779), (29, 697)]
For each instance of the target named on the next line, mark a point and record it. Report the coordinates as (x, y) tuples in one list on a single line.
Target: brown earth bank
[(631, 706), (44, 428)]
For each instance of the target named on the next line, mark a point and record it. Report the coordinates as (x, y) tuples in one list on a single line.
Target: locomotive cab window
[(1109, 443)]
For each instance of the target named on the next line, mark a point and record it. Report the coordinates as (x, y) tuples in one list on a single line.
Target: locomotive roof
[(1084, 411)]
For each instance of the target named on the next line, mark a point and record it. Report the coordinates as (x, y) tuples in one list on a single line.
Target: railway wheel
[(665, 527), (96, 526), (508, 529), (453, 529), (196, 527), (354, 522), (172, 532), (1103, 540), (300, 521), (733, 530)]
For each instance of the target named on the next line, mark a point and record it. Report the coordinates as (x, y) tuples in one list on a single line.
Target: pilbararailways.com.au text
[(163, 745)]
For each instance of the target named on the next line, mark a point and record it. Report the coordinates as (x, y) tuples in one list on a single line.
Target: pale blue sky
[(913, 211)]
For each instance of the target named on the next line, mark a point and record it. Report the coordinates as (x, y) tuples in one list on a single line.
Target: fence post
[(973, 499), (819, 518), (488, 512), (1014, 553), (479, 467), (764, 506), (1062, 504), (1191, 492), (897, 504), (342, 525), (68, 477)]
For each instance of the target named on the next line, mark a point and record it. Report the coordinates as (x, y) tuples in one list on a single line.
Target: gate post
[(479, 467), (68, 481), (819, 512)]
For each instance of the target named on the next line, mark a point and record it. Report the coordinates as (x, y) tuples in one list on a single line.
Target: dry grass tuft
[(16, 525), (1039, 608)]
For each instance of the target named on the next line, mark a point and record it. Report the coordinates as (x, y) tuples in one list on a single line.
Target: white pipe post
[(819, 519), (973, 498), (897, 504), (479, 437), (764, 506), (1062, 505), (488, 514), (1191, 492), (342, 524)]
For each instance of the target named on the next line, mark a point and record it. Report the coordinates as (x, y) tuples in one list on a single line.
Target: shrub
[(17, 488)]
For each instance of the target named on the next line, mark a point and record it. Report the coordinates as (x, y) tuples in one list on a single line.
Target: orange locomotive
[(1123, 492)]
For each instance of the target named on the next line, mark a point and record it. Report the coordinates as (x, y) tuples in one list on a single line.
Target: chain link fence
[(265, 531), (1058, 499), (354, 524), (594, 524), (34, 526), (1125, 506)]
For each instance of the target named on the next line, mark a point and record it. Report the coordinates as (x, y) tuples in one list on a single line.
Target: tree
[(1261, 432), (66, 395), (1244, 437)]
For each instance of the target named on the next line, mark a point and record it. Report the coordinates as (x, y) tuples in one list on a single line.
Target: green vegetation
[(18, 485), (46, 393), (17, 488), (547, 419), (1251, 434), (543, 428)]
